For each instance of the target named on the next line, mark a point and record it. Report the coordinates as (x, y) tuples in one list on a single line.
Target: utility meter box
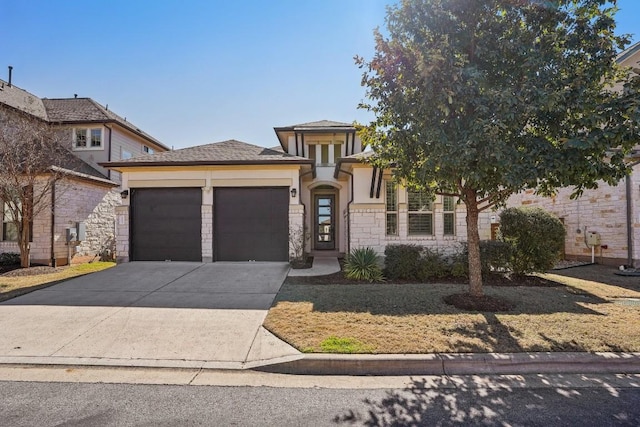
[(593, 238), (72, 234), (81, 228)]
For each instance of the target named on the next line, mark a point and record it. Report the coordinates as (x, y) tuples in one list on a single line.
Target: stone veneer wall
[(122, 233), (81, 201), (296, 226), (602, 210), (207, 233), (368, 229), (100, 223)]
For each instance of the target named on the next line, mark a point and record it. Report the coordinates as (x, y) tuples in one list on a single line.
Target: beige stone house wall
[(603, 210)]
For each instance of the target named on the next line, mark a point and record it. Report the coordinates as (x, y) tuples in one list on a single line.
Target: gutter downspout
[(53, 223), (348, 211), (304, 207), (629, 194), (109, 150)]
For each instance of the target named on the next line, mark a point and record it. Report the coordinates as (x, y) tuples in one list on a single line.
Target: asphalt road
[(82, 404)]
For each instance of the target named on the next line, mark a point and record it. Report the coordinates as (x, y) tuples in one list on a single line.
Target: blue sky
[(194, 72)]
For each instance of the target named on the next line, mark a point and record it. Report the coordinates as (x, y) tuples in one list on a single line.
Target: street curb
[(459, 364)]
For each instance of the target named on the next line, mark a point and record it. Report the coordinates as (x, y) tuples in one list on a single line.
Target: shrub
[(402, 262), (432, 265), (495, 255), (9, 258), (536, 237), (362, 264)]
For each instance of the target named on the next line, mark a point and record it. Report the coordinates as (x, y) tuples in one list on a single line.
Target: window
[(324, 154), (87, 138), (148, 150), (391, 208), (449, 215), (337, 152), (420, 213), (9, 229), (80, 138), (125, 155), (312, 152)]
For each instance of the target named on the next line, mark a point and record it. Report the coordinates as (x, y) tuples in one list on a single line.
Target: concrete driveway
[(149, 314)]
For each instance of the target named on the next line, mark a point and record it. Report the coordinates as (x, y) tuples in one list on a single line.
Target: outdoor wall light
[(124, 194), (294, 192)]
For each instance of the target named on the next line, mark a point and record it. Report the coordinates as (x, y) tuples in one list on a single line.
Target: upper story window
[(325, 153), (420, 212), (148, 150), (87, 138)]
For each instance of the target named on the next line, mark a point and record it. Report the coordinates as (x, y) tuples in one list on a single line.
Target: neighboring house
[(89, 194), (611, 211), (233, 201)]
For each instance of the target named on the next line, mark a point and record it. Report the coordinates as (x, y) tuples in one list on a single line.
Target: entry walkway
[(321, 267)]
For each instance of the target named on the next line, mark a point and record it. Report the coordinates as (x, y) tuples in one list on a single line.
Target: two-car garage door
[(249, 224)]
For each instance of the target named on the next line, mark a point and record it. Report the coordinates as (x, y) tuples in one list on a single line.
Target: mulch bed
[(16, 271), (489, 280)]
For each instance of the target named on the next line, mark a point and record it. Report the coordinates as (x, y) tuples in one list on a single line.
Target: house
[(89, 193), (611, 212), (234, 201)]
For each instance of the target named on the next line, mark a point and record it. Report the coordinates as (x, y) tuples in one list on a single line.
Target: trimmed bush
[(536, 237), (362, 264), (9, 258), (433, 265), (402, 262), (495, 256)]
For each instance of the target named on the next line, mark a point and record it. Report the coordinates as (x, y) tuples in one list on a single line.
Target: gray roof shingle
[(218, 153), (320, 124), (86, 110), (22, 100)]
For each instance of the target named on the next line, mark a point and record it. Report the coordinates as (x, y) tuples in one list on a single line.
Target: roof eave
[(111, 165)]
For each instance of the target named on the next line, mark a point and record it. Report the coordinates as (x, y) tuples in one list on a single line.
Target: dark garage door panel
[(166, 224), (251, 224)]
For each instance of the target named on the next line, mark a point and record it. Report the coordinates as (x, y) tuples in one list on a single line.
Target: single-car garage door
[(251, 224), (166, 224)]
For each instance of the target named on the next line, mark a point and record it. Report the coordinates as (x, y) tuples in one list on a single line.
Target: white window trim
[(395, 211), (420, 212), (451, 212), (88, 147)]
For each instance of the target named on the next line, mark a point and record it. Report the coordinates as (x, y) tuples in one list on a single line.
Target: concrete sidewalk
[(321, 267)]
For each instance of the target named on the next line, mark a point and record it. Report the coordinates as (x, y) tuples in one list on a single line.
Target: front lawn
[(563, 314), (19, 281)]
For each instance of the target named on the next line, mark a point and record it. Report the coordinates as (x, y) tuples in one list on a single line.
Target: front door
[(325, 230)]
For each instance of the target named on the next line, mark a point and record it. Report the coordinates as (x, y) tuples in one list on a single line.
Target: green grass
[(344, 345)]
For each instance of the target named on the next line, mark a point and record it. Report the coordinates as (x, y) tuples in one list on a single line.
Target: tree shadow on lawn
[(421, 299), (495, 334), (517, 400)]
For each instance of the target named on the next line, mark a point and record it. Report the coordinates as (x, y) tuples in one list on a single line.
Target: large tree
[(481, 99), (32, 159)]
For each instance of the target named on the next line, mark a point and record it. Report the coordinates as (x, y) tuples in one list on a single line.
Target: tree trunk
[(473, 242), (24, 237)]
